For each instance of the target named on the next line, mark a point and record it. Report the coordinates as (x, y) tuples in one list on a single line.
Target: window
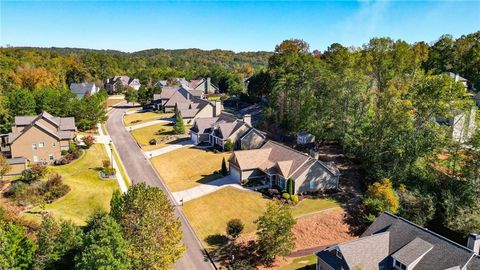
[(41, 145), (34, 147), (53, 144), (36, 159), (312, 184), (51, 157), (399, 265)]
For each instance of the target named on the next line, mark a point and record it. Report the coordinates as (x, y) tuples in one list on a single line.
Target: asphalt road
[(139, 169)]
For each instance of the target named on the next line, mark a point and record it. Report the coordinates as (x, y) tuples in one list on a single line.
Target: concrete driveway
[(205, 189), (166, 149)]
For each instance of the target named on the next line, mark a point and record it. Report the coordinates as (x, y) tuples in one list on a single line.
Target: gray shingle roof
[(16, 160), (80, 89), (412, 251)]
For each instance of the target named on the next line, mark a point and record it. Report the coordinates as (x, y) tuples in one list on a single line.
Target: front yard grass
[(88, 192), (305, 262), (114, 101), (144, 135), (209, 215), (188, 167), (143, 117)]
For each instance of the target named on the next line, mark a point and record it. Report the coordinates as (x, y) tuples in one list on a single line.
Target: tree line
[(380, 102)]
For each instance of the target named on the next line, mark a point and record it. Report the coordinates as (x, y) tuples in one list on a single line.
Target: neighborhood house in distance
[(125, 81), (37, 139), (395, 243), (82, 90)]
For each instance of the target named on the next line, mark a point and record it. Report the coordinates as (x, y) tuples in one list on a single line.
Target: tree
[(179, 127), (416, 207), (17, 249), (90, 111), (155, 243), (274, 232), (290, 184), (88, 140), (224, 168), (21, 102), (5, 167), (380, 197), (58, 242), (103, 245), (234, 228), (228, 145), (131, 95)]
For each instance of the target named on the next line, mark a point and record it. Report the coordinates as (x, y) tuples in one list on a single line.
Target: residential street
[(139, 169)]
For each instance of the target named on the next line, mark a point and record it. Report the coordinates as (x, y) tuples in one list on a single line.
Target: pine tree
[(179, 127)]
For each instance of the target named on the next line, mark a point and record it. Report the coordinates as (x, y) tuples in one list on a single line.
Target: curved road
[(139, 169)]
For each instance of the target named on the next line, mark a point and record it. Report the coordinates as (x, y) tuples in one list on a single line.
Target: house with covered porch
[(275, 163)]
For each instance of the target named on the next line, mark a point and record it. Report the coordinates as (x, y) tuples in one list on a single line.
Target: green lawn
[(88, 192), (122, 169), (114, 101), (142, 117), (301, 263), (310, 206), (209, 215), (188, 167), (144, 135)]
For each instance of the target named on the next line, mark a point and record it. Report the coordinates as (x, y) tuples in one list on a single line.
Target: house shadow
[(210, 178)]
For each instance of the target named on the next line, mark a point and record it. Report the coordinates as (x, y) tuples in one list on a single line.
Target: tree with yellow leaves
[(380, 197)]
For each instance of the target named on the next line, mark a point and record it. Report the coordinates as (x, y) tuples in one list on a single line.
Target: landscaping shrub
[(224, 168), (234, 228), (228, 145), (160, 131), (108, 169), (286, 196), (38, 171), (295, 199), (53, 188), (64, 152), (272, 192), (152, 142), (88, 141), (135, 121)]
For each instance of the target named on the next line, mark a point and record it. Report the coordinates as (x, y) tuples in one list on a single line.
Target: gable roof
[(80, 89)]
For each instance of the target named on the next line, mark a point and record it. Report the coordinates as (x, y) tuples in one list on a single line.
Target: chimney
[(217, 109), (474, 242), (207, 85), (247, 118)]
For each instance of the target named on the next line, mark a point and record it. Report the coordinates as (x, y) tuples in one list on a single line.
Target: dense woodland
[(379, 102)]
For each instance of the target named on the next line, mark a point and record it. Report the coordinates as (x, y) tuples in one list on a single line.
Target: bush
[(152, 142), (106, 163), (295, 199), (54, 188), (160, 131), (88, 141), (228, 145), (64, 152), (234, 228), (286, 196), (38, 171)]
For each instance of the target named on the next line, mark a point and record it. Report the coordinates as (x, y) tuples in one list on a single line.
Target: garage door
[(234, 173), (194, 138)]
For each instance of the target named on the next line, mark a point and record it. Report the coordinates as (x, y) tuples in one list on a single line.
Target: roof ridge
[(285, 146), (428, 231)]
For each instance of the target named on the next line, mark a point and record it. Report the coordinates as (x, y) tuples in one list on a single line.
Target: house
[(196, 107), (458, 78), (161, 83), (84, 89), (126, 82), (275, 163), (219, 129), (38, 139), (305, 138), (205, 85), (171, 95), (395, 243)]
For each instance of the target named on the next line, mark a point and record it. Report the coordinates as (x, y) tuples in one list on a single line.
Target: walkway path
[(146, 124), (166, 149), (205, 189), (105, 140)]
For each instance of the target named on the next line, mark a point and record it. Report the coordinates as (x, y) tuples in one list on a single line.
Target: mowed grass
[(88, 192), (209, 214), (143, 117), (188, 167), (311, 205), (144, 135), (301, 262), (114, 101)]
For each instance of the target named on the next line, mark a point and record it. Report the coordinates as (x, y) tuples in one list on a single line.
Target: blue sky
[(232, 25)]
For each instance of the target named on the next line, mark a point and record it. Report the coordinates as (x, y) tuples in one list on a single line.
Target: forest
[(380, 103)]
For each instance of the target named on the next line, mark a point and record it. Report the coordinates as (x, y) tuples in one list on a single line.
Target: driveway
[(146, 124), (166, 149), (140, 170), (205, 189)]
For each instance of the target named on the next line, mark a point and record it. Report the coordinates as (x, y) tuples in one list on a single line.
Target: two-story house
[(38, 139)]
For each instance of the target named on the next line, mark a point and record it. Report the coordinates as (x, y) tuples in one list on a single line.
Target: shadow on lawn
[(209, 178)]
